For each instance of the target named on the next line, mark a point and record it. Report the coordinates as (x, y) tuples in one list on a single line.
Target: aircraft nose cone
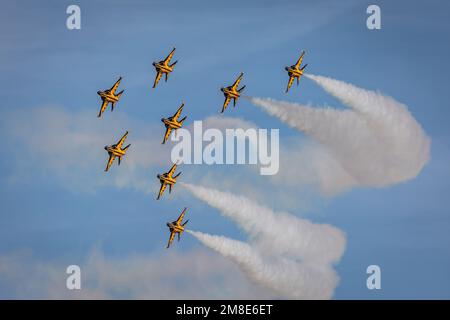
[(168, 224), (221, 89), (106, 147), (162, 119)]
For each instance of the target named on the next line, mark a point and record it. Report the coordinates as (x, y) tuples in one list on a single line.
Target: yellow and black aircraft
[(109, 96), (163, 67), (295, 72), (116, 151), (172, 123), (232, 92), (176, 227), (167, 179)]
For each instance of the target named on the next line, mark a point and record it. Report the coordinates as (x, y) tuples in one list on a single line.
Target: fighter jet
[(167, 179), (232, 92), (173, 123), (176, 227), (108, 96), (163, 67), (295, 72), (116, 150)]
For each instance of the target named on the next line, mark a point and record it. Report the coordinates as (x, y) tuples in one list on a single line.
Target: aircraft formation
[(165, 67)]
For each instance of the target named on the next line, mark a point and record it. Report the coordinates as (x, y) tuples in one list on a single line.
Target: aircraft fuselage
[(108, 96), (161, 67), (171, 123), (175, 227), (115, 151), (228, 92), (165, 179), (294, 71)]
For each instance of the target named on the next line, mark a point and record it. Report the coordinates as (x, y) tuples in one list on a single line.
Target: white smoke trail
[(279, 233), (377, 142), (289, 255), (288, 278)]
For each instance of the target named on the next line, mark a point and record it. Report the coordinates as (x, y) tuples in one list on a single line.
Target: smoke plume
[(279, 233), (291, 256), (286, 277), (377, 141)]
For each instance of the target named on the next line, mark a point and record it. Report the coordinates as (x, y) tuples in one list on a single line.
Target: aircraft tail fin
[(170, 188), (119, 94), (185, 222), (243, 87), (181, 121), (113, 103), (125, 149), (177, 175), (304, 67), (173, 64)]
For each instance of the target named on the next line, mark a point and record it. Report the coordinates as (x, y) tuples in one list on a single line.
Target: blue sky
[(58, 214)]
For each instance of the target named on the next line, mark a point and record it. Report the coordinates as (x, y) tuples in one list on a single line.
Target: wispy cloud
[(68, 146), (195, 274)]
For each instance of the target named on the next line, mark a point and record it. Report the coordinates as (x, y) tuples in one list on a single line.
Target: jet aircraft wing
[(161, 190), (225, 103), (236, 83), (122, 140), (291, 80), (110, 161), (299, 61), (103, 107), (166, 136), (172, 170), (180, 218), (169, 57), (177, 114), (115, 86), (172, 236), (158, 77)]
